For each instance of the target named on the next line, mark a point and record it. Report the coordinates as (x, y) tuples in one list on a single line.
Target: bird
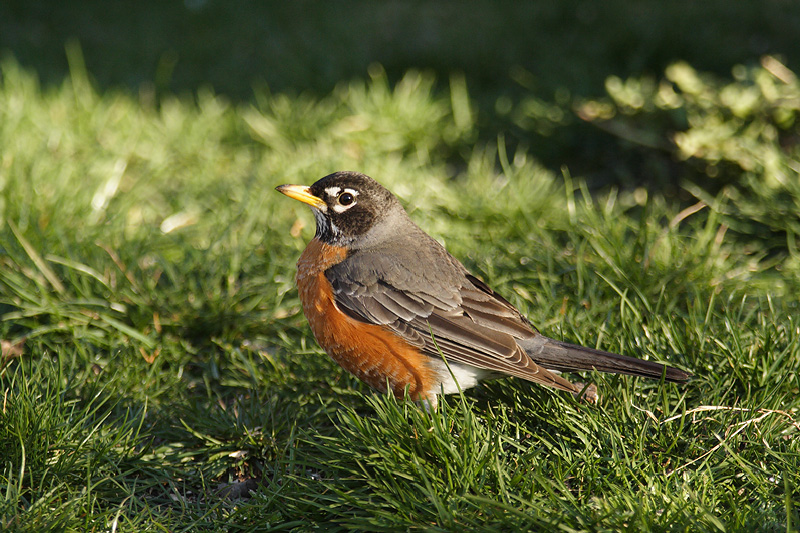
[(390, 305)]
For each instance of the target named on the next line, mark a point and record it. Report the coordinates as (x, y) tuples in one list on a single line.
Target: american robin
[(393, 307)]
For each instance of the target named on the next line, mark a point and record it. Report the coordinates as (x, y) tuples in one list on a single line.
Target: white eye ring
[(346, 198)]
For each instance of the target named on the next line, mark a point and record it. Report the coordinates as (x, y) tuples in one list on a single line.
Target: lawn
[(157, 373)]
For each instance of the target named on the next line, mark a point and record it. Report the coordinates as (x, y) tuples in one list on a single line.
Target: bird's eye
[(346, 198)]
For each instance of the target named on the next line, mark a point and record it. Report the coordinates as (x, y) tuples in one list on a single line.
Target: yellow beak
[(302, 193)]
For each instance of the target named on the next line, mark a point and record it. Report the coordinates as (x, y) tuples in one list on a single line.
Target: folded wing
[(465, 322)]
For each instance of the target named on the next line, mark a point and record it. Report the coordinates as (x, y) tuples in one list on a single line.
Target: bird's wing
[(444, 310)]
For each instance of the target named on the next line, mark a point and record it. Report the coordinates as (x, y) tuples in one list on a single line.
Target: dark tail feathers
[(565, 357)]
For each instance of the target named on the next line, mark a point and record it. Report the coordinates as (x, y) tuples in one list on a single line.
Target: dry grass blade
[(37, 259), (731, 432), (11, 349)]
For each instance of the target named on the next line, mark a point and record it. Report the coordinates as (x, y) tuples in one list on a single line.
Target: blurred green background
[(303, 45), (507, 51)]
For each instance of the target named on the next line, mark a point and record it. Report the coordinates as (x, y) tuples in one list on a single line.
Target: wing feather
[(470, 323)]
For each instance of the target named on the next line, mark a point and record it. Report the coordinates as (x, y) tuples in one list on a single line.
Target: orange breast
[(372, 353)]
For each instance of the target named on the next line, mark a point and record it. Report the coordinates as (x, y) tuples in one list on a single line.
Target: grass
[(157, 367), (506, 50)]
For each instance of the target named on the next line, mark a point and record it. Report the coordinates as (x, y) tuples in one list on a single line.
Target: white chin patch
[(320, 217)]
